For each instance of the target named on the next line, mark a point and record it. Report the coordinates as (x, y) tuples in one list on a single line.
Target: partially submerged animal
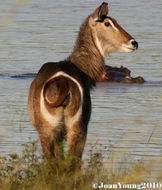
[(59, 101), (122, 74)]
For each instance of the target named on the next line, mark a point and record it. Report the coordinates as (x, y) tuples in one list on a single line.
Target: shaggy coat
[(59, 101)]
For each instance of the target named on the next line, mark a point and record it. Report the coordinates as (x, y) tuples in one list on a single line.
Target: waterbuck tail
[(63, 90), (56, 91)]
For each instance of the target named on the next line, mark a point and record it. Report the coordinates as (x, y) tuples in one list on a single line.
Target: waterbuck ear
[(101, 11)]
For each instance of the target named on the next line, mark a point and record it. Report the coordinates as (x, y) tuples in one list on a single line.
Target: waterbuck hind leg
[(47, 143), (73, 120), (76, 121), (51, 141), (76, 139), (46, 110)]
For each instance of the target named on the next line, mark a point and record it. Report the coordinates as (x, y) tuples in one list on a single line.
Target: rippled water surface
[(126, 119)]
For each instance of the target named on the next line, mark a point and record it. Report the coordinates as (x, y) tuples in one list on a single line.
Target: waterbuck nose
[(134, 43)]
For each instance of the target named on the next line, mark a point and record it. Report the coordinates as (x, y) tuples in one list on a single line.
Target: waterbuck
[(59, 101)]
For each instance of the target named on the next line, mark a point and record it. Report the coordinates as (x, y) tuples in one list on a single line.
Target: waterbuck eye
[(107, 24)]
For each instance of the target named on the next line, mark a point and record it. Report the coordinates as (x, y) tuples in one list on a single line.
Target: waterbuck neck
[(86, 56)]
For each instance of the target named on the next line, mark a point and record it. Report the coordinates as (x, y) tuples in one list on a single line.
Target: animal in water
[(59, 102), (121, 74)]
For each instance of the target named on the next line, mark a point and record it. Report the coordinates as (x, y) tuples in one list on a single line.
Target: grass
[(31, 172)]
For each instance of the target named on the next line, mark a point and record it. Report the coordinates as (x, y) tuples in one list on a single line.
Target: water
[(126, 118)]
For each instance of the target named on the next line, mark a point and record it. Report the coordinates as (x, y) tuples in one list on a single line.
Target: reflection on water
[(126, 119)]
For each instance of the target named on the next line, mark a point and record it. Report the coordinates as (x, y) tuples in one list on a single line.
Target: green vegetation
[(32, 172)]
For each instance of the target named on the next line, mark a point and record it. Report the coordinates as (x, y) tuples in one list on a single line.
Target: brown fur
[(59, 101), (69, 109), (86, 55)]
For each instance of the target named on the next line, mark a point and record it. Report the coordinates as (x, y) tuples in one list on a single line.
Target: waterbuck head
[(99, 35), (108, 34)]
